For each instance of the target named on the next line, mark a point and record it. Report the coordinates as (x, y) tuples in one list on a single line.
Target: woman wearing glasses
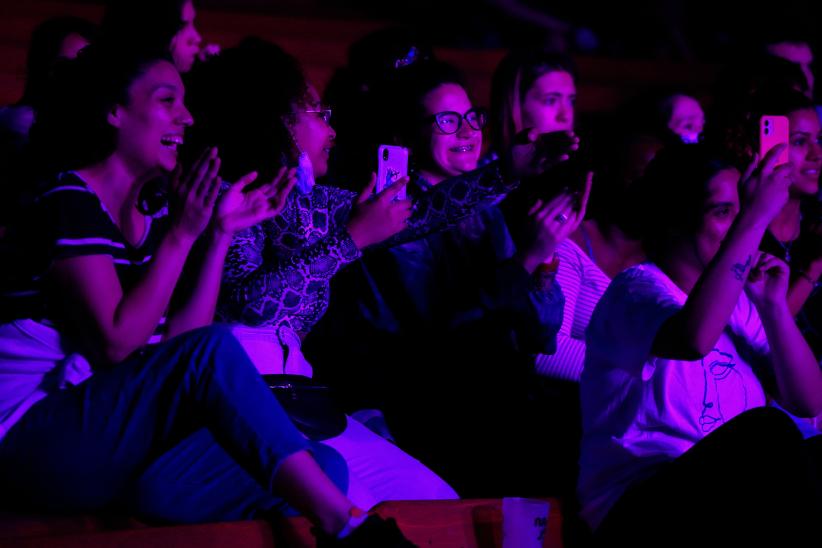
[(116, 392), (439, 314), (278, 273)]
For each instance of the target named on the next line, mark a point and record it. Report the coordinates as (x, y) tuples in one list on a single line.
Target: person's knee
[(769, 424)]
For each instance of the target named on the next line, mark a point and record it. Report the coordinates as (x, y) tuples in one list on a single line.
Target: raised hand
[(768, 282), (240, 208), (549, 223), (193, 195), (764, 189), (377, 218)]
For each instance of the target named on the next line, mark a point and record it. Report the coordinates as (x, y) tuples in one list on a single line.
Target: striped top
[(69, 220), (583, 284)]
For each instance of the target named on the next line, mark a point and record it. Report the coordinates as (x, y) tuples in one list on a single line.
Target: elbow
[(688, 349), (680, 339), (806, 407), (115, 348), (697, 349)]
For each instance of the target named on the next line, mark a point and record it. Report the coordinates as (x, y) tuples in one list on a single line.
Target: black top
[(66, 220)]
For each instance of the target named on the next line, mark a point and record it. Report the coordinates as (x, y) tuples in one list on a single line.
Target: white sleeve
[(627, 320)]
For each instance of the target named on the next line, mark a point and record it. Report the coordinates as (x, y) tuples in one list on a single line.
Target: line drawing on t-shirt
[(717, 367)]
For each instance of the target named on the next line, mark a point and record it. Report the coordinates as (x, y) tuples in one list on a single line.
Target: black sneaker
[(374, 532)]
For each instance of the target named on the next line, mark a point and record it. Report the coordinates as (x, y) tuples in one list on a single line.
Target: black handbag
[(309, 405)]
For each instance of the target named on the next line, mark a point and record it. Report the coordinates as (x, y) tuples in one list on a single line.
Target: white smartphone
[(392, 165)]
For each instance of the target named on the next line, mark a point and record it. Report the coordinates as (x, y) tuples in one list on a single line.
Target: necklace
[(786, 247)]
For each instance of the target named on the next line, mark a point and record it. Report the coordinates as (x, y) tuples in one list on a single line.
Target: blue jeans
[(183, 432)]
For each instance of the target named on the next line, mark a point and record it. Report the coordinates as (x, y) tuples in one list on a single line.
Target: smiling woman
[(683, 385), (101, 368), (434, 117), (789, 233), (151, 125)]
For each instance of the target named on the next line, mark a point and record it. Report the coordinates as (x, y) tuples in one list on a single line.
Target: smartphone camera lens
[(385, 155)]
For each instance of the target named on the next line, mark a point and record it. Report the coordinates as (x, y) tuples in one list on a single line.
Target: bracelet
[(546, 268), (545, 273)]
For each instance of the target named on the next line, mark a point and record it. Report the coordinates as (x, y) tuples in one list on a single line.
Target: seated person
[(117, 394), (680, 354), (455, 317)]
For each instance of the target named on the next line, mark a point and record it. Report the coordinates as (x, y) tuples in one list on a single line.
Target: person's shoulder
[(16, 119), (62, 183), (67, 195), (641, 273), (73, 211), (67, 191), (642, 281)]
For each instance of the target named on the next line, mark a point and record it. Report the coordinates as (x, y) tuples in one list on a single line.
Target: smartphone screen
[(392, 165)]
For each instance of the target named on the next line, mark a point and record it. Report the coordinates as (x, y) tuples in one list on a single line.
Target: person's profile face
[(687, 118), (804, 151), (185, 46), (718, 213), (152, 125), (71, 46), (312, 132), (799, 53)]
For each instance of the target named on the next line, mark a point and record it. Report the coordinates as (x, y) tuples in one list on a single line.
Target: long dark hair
[(72, 129), (671, 194), (242, 101), (402, 100), (353, 93)]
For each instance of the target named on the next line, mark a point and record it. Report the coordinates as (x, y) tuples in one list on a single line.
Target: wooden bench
[(448, 524)]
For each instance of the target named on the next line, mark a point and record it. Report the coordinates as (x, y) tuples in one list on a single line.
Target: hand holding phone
[(774, 130), (392, 165)]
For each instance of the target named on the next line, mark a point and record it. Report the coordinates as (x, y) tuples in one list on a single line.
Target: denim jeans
[(186, 431)]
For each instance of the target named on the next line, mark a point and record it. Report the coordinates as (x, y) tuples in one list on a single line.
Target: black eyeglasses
[(450, 122)]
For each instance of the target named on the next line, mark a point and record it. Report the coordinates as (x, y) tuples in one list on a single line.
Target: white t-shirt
[(639, 411)]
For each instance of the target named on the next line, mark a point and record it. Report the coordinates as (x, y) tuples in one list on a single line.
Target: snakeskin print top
[(278, 272)]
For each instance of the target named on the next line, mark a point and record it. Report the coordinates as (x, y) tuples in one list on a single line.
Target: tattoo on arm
[(740, 269)]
